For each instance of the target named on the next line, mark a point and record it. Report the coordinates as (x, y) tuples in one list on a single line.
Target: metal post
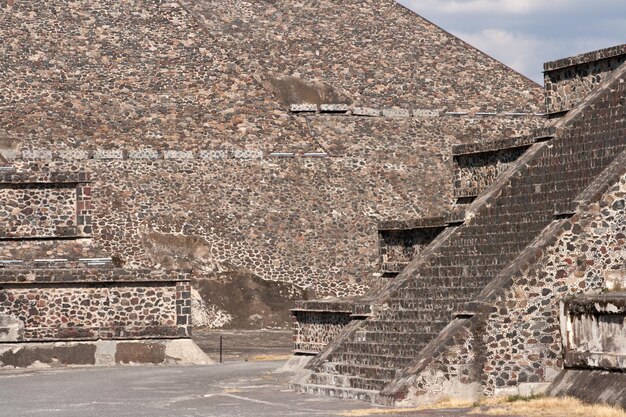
[(220, 348)]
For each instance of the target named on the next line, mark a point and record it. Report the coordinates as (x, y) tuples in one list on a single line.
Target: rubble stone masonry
[(183, 114), (96, 303), (568, 81)]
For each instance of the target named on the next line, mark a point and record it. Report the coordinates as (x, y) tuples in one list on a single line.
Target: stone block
[(170, 154), (138, 352), (303, 108), (108, 154), (366, 111), (37, 154), (216, 154), (248, 154), (425, 113), (334, 108), (400, 113), (150, 154)]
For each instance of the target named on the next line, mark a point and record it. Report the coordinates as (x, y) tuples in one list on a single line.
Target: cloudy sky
[(526, 33)]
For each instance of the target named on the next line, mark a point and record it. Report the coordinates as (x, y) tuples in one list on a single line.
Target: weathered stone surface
[(501, 274), (313, 330), (425, 113), (334, 108), (11, 328), (399, 247), (300, 108), (594, 332), (591, 386), (569, 80), (71, 354), (474, 172), (136, 352), (219, 104), (365, 111), (101, 303), (102, 353), (396, 113)]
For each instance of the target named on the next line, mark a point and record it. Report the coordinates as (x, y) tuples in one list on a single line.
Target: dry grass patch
[(533, 406), (538, 406), (443, 404), (379, 411)]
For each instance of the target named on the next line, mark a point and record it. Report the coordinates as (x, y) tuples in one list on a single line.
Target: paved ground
[(238, 345), (231, 389)]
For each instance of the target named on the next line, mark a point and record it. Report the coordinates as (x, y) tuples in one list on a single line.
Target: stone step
[(382, 361), (369, 384), (356, 370), (370, 396), (391, 336), (326, 379), (347, 381), (412, 299), (410, 349), (401, 322)]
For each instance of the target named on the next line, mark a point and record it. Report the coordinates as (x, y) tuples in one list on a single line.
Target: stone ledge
[(89, 275), (502, 144), (306, 109), (467, 192), (323, 306), (394, 267), (13, 177), (603, 304), (353, 306), (585, 58), (58, 263), (455, 217), (409, 224), (596, 360)]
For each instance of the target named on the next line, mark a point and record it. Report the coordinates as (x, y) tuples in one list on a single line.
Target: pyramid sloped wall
[(513, 345), (500, 225), (376, 52), (176, 120)]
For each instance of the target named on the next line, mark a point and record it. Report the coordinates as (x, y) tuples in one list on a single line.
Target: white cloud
[(526, 33), (488, 6), (518, 51)]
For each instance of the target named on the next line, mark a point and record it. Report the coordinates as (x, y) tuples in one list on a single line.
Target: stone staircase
[(504, 219)]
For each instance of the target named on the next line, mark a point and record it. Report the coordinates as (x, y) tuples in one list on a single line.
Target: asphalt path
[(232, 389)]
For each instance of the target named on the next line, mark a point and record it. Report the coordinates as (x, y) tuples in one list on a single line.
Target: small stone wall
[(399, 247), (569, 80), (594, 332), (317, 323), (476, 171), (48, 205), (313, 330), (88, 304)]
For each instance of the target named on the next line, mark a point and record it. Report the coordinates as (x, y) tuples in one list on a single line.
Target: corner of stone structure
[(569, 80)]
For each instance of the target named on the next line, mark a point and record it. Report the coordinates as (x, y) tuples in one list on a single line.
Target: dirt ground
[(244, 345)]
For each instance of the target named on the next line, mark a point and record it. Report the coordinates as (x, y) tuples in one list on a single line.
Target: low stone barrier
[(594, 331), (316, 323)]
